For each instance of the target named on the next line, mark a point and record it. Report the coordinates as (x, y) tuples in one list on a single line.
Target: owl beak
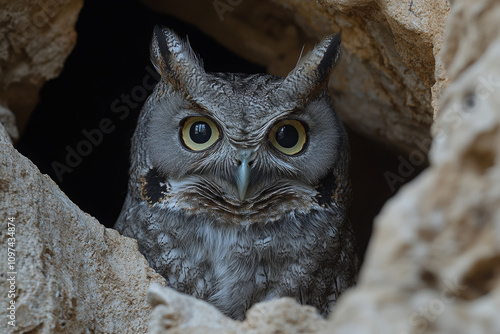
[(243, 174)]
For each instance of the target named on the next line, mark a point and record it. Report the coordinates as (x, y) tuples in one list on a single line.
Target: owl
[(239, 183)]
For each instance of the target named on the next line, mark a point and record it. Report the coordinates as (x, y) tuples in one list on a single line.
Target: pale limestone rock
[(73, 275), (35, 39), (178, 313), (8, 120), (282, 315), (175, 312), (434, 262), (388, 82)]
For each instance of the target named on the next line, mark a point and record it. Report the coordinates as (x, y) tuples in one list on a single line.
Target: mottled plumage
[(239, 183)]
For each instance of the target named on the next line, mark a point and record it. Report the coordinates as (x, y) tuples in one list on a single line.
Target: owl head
[(236, 147)]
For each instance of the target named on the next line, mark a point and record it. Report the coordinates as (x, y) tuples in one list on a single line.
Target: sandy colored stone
[(388, 83), (73, 275), (176, 313), (434, 262), (35, 39)]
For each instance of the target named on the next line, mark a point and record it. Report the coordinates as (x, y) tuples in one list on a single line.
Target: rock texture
[(388, 83), (434, 262), (35, 39), (8, 120), (178, 313), (72, 275), (386, 87), (433, 265)]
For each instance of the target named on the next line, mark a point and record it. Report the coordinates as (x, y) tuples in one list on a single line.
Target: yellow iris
[(199, 133), (288, 136)]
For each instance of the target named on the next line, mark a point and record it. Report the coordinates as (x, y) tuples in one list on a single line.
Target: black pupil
[(287, 136), (200, 132)]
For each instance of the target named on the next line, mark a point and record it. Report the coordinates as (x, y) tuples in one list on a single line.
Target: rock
[(178, 313), (8, 120), (386, 87), (72, 275), (434, 261), (389, 81), (35, 39), (175, 312)]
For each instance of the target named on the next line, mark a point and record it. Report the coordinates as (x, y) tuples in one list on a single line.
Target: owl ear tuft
[(314, 69), (159, 51), (174, 59), (331, 55)]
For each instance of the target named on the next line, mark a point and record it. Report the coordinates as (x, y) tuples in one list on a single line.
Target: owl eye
[(289, 136), (199, 133)]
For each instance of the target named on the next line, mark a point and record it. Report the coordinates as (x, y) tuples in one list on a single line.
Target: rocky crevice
[(432, 262)]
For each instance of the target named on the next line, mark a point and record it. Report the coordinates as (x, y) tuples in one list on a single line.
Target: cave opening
[(80, 131)]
